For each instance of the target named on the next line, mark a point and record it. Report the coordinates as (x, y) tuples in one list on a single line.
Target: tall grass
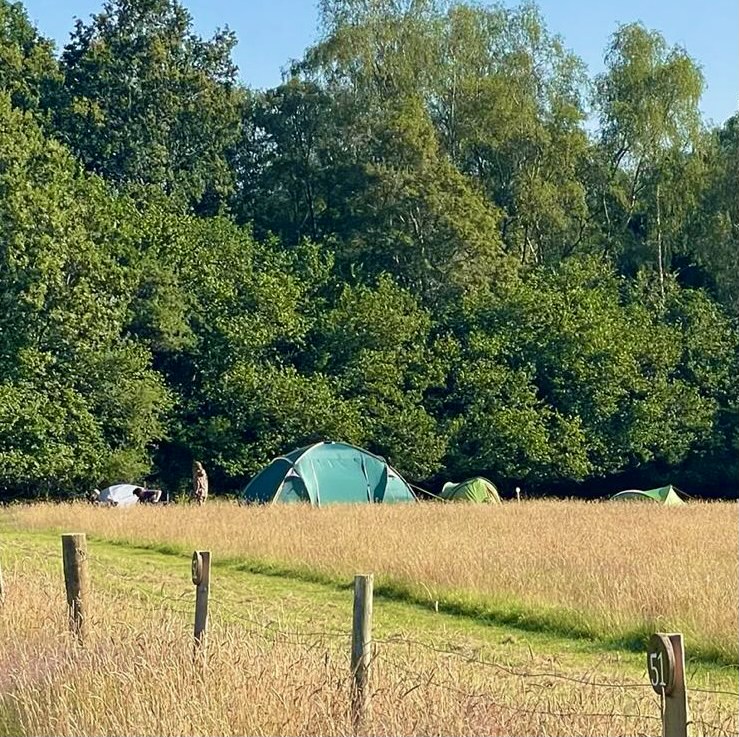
[(135, 676), (601, 570)]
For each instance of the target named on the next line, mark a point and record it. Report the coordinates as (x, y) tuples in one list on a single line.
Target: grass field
[(608, 571), (540, 592)]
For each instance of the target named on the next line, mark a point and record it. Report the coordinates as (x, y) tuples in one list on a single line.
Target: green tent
[(664, 495), (328, 473), (477, 490)]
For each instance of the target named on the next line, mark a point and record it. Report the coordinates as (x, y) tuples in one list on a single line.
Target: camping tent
[(476, 489), (119, 495), (664, 495), (328, 473)]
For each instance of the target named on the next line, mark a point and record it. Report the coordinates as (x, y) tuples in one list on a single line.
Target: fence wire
[(714, 691), (314, 640), (424, 681), (508, 670), (152, 600)]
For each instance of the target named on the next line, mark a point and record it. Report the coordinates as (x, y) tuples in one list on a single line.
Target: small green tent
[(328, 473), (664, 495), (477, 489)]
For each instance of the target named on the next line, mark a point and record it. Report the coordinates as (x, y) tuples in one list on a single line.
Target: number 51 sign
[(661, 664)]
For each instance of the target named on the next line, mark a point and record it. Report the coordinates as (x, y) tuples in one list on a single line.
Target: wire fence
[(508, 670), (418, 663), (385, 654)]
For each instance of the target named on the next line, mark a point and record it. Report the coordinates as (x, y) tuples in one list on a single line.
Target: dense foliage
[(437, 238)]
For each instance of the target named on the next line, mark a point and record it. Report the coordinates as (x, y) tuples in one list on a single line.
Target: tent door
[(292, 490)]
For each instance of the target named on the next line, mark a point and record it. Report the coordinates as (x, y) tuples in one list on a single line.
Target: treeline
[(437, 239)]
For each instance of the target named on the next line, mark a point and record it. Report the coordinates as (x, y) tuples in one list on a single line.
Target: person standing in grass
[(199, 483)]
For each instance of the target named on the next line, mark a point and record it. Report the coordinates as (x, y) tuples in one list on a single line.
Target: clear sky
[(272, 32)]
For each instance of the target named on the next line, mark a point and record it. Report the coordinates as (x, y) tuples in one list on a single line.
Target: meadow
[(597, 570), (522, 619)]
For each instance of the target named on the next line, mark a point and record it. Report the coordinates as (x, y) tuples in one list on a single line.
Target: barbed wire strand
[(508, 670), (714, 691), (519, 710), (715, 728), (157, 598), (271, 634), (393, 641)]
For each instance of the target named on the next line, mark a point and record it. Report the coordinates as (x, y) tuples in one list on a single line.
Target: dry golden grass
[(612, 569), (135, 677)]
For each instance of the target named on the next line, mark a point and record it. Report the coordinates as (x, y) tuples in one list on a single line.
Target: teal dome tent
[(328, 473)]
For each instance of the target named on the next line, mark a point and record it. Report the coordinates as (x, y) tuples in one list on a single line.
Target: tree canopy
[(437, 238)]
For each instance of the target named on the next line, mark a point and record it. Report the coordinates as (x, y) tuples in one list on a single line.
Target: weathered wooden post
[(361, 649), (666, 668), (77, 582), (201, 578)]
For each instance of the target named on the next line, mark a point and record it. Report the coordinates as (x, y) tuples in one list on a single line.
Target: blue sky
[(272, 32)]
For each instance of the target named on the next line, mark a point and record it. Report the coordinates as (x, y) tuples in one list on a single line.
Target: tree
[(417, 217), (286, 162), (709, 237), (648, 104), (231, 346), (576, 374), (377, 345), (504, 97), (426, 140), (508, 101), (709, 361), (28, 69), (147, 102), (413, 244), (80, 403)]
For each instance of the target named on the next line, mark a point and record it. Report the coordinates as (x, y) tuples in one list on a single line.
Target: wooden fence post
[(361, 648), (77, 582), (666, 668), (201, 578)]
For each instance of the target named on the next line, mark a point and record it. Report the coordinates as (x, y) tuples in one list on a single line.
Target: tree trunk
[(660, 254)]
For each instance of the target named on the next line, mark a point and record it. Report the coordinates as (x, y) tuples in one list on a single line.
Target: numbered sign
[(197, 568), (661, 664)]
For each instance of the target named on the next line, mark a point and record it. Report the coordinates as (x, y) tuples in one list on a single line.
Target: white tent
[(121, 495)]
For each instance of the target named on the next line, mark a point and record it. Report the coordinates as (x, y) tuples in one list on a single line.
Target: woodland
[(439, 238)]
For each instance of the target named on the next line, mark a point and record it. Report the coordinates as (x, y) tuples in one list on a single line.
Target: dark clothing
[(149, 496)]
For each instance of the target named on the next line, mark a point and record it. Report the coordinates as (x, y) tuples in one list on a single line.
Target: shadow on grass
[(10, 722)]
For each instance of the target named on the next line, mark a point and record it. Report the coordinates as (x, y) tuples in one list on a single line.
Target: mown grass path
[(608, 572), (279, 657), (264, 598)]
